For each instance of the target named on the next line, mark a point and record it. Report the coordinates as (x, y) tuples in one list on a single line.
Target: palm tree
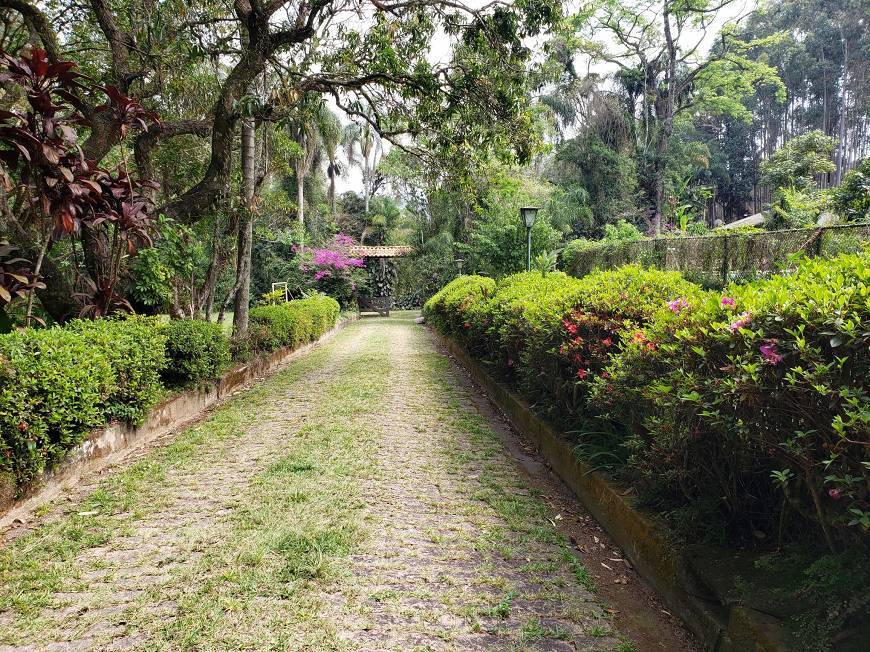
[(330, 136), (368, 141)]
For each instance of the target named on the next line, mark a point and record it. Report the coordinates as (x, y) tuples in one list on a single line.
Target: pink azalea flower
[(727, 301), (678, 304), (835, 493), (743, 320), (770, 353)]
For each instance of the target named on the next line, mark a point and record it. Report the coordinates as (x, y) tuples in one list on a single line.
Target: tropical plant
[(66, 195)]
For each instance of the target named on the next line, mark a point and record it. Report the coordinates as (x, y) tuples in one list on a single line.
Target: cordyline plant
[(16, 280), (56, 191)]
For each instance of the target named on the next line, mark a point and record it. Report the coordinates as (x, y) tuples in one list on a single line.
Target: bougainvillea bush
[(333, 270), (741, 414)]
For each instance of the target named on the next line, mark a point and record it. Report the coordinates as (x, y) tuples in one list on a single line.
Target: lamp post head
[(529, 214)]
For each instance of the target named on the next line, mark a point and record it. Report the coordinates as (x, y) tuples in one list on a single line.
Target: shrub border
[(108, 445), (721, 625)]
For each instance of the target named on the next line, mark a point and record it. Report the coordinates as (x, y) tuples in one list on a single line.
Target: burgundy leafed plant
[(59, 186), (16, 276)]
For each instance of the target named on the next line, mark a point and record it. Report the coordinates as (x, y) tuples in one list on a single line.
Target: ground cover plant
[(57, 384)]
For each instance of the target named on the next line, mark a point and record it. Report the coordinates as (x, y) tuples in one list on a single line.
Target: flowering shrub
[(741, 414), (752, 406), (333, 270)]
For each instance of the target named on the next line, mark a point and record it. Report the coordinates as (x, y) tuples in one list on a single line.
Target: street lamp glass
[(529, 213)]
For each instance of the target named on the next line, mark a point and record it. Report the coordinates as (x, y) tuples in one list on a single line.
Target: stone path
[(359, 499)]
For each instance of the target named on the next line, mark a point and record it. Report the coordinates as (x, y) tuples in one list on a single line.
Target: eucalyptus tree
[(659, 48)]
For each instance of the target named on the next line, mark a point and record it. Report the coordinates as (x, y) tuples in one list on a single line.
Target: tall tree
[(365, 140), (330, 137), (659, 48)]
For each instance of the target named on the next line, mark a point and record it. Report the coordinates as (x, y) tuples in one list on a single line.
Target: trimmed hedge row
[(292, 323), (742, 415), (59, 383)]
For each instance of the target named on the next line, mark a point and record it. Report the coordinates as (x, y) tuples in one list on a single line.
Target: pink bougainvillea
[(331, 269)]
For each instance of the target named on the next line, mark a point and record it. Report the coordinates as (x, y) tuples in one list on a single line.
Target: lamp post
[(459, 262), (529, 214)]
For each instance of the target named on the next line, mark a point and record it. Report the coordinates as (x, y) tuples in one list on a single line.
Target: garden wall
[(106, 446), (716, 260)]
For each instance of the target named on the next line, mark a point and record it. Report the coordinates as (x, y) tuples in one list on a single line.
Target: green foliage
[(447, 308), (56, 384), (795, 208), (597, 177), (545, 262), (292, 323), (197, 352), (429, 269), (496, 242), (176, 255), (851, 199), (736, 413), (135, 349), (52, 385), (795, 163), (622, 231)]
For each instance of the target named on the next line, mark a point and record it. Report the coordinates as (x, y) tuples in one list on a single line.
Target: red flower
[(467, 325), (607, 341), (581, 374), (835, 493)]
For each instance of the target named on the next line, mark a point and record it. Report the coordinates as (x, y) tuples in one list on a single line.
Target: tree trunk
[(208, 288), (246, 230), (841, 150), (332, 188), (300, 196)]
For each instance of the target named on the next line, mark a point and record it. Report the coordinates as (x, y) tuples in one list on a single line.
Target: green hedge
[(59, 383), (292, 323), (737, 426), (196, 351)]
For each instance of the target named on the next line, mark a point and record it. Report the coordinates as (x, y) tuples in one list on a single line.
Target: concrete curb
[(109, 445), (721, 625)]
